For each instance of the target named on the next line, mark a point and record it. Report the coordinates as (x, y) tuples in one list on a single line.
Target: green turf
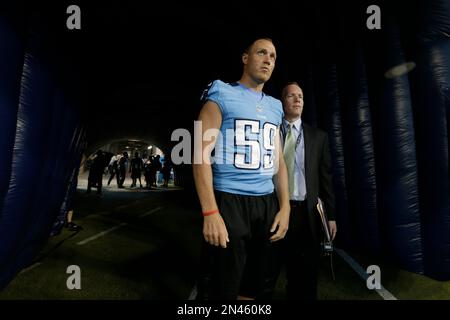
[(347, 285), (156, 257), (405, 285), (148, 258)]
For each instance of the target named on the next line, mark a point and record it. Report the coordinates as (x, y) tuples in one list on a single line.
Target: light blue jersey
[(243, 161)]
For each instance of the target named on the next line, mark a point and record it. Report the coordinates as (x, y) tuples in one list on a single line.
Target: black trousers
[(95, 180), (122, 174), (243, 267), (114, 173), (299, 252), (302, 255)]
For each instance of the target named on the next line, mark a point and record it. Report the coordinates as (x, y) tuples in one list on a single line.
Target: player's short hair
[(249, 47)]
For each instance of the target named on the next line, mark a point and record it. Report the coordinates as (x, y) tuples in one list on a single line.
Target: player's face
[(260, 61), (293, 101)]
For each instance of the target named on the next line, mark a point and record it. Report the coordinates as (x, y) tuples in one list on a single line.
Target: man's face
[(259, 62), (293, 101)]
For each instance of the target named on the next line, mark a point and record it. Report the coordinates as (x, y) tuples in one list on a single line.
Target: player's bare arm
[(214, 229)]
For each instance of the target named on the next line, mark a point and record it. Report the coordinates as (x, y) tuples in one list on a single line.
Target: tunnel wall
[(395, 150), (11, 63), (42, 141), (389, 132), (430, 50)]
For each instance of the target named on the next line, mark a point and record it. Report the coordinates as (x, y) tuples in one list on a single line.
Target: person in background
[(136, 169), (95, 178), (308, 162)]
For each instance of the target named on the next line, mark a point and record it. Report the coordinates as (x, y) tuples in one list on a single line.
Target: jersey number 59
[(247, 135)]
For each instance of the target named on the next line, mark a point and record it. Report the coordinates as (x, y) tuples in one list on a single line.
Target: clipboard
[(327, 244), (324, 220)]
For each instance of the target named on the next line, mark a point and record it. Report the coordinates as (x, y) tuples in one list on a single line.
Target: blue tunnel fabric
[(359, 152), (329, 103), (430, 90), (395, 152), (62, 154), (33, 125), (11, 62), (337, 153), (326, 79), (47, 142), (386, 159)]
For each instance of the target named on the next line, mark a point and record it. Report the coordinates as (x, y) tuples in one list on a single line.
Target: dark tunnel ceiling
[(147, 66), (144, 66)]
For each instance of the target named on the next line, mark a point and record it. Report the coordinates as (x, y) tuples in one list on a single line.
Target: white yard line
[(101, 234), (385, 294), (34, 265), (150, 212)]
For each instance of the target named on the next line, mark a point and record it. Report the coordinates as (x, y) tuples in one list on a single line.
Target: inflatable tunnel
[(42, 137), (383, 96)]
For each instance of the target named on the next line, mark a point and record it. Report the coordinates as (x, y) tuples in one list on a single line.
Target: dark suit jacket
[(318, 175)]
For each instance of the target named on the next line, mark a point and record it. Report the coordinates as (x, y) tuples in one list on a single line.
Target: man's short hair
[(283, 92), (249, 47)]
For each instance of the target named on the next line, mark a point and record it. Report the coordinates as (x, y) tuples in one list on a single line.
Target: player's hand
[(280, 224), (214, 230), (333, 229)]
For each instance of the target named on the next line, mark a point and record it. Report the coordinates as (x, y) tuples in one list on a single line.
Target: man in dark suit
[(307, 157)]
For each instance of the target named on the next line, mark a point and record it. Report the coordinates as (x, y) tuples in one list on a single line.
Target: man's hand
[(333, 228), (282, 222), (215, 231)]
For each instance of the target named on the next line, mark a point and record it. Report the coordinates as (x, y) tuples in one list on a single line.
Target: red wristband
[(208, 213)]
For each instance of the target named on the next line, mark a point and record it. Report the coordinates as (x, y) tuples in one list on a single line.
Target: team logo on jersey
[(259, 108)]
